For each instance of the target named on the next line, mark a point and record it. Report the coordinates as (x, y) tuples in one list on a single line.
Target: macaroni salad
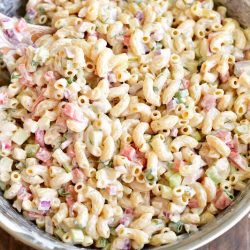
[(129, 125)]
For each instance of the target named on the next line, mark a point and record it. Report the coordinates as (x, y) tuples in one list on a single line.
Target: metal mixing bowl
[(25, 231)]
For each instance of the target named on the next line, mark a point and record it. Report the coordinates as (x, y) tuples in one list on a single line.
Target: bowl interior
[(27, 232)]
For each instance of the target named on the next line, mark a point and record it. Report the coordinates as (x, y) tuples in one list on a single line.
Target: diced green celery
[(101, 242), (59, 232), (177, 227), (6, 164), (212, 173), (174, 179), (150, 176), (20, 136), (68, 168), (77, 235), (31, 149), (196, 135)]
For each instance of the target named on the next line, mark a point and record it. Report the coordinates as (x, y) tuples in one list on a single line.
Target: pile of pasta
[(130, 124)]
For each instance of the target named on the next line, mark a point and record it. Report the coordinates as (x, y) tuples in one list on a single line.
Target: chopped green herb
[(69, 80), (184, 93), (110, 164), (62, 192), (230, 195), (14, 76), (155, 89), (42, 11), (101, 242), (150, 139), (28, 19), (180, 96), (149, 176), (20, 165), (34, 63), (107, 164), (91, 141), (67, 168)]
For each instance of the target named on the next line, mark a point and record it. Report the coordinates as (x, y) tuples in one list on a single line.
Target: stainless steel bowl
[(25, 231)]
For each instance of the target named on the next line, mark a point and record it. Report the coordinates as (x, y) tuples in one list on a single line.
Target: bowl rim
[(223, 222)]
